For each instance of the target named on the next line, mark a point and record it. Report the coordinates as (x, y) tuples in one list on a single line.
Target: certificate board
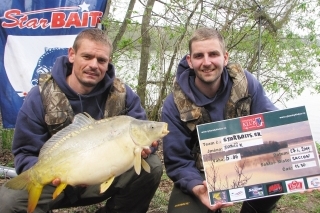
[(259, 155)]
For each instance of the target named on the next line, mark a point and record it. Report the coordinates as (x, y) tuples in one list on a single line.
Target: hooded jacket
[(31, 130), (178, 159)]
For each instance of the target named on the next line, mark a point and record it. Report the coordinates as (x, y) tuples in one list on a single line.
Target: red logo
[(253, 122), (275, 188), (295, 185), (59, 19)]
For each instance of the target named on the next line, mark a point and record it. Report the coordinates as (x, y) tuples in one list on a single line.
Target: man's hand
[(201, 192), (57, 181), (146, 152)]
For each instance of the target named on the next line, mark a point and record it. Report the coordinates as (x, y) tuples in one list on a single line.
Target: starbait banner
[(33, 33), (259, 156)]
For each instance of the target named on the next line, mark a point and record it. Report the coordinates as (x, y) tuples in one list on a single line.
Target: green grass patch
[(6, 138), (295, 200), (233, 209), (159, 202)]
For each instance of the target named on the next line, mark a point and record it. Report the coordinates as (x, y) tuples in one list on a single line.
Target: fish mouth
[(165, 130)]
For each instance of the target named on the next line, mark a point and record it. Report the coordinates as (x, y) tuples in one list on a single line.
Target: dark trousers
[(129, 193), (263, 205), (180, 202)]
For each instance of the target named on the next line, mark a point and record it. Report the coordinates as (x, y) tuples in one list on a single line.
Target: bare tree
[(107, 10), (287, 58), (215, 182), (124, 25), (242, 179), (145, 51), (164, 89)]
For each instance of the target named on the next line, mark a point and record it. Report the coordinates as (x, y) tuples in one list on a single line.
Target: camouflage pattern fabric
[(238, 105), (115, 104), (58, 111), (239, 101)]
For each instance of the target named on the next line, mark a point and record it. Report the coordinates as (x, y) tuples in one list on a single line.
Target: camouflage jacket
[(238, 105), (58, 111)]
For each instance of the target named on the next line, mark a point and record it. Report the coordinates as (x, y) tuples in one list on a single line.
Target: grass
[(6, 137), (159, 202), (289, 203)]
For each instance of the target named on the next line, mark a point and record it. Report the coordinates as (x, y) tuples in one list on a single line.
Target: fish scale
[(106, 148)]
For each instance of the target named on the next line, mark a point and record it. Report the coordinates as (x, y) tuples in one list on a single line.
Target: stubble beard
[(209, 81), (87, 83)]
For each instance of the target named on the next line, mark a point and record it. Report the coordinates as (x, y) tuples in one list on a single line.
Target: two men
[(86, 81)]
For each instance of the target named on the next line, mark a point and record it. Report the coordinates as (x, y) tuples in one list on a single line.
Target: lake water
[(312, 104)]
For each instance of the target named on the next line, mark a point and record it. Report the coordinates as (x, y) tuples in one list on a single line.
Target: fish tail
[(24, 182), (19, 182)]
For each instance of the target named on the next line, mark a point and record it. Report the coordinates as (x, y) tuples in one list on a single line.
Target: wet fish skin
[(104, 149)]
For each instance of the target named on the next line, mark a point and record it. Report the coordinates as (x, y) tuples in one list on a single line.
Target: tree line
[(276, 40)]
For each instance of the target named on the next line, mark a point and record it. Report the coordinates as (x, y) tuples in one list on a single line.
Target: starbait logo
[(252, 122), (61, 17)]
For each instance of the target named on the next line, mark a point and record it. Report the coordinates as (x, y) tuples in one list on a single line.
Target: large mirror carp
[(102, 148)]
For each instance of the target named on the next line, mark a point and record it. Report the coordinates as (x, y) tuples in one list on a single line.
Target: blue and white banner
[(33, 33)]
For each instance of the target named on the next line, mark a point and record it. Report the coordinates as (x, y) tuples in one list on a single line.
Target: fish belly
[(97, 165)]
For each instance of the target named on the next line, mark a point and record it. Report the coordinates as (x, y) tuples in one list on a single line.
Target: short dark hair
[(93, 34), (205, 33)]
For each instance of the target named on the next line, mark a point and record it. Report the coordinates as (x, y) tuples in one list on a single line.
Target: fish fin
[(19, 182), (145, 165), (105, 185), (81, 120), (58, 190), (34, 195), (137, 161), (22, 182)]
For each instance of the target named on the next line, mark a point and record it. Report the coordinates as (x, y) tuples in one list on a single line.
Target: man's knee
[(144, 178), (180, 202), (136, 191), (7, 202), (150, 181), (12, 200), (156, 169), (263, 205)]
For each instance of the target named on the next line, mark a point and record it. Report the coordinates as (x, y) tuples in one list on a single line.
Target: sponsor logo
[(252, 122), (274, 188), (61, 17), (219, 197), (313, 182), (237, 194), (255, 191), (182, 204), (295, 185)]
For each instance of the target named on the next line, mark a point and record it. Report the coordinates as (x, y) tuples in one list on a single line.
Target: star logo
[(84, 7)]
